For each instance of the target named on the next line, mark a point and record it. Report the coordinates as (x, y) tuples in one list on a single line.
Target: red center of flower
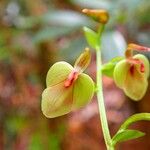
[(71, 78), (134, 62)]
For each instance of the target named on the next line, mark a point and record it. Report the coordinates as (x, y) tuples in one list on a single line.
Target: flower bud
[(131, 75), (99, 15), (67, 87)]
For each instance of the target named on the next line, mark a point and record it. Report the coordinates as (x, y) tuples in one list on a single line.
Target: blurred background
[(34, 34)]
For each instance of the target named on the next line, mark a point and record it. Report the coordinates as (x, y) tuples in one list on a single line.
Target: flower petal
[(129, 77), (120, 73), (83, 61), (135, 85), (83, 91), (58, 73), (56, 100)]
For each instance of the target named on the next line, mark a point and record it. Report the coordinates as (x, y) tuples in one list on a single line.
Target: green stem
[(100, 98)]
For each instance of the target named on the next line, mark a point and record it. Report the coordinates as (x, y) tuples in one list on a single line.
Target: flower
[(99, 15), (67, 87), (131, 75)]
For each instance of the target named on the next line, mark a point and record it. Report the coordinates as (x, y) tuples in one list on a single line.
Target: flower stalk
[(100, 97)]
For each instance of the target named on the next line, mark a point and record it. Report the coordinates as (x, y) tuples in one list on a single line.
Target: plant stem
[(100, 98)]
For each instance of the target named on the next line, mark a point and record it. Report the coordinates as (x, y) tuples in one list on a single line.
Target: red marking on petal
[(142, 68), (133, 62), (71, 78), (132, 70)]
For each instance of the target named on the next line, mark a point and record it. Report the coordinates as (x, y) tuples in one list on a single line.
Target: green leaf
[(135, 118), (91, 37), (108, 68), (126, 135)]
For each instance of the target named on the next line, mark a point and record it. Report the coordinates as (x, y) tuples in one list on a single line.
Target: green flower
[(67, 87), (131, 75)]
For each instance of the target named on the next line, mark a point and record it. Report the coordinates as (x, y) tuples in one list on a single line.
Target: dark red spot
[(132, 70), (135, 62)]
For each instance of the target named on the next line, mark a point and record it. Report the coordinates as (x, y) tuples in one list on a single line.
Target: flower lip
[(135, 61), (71, 78)]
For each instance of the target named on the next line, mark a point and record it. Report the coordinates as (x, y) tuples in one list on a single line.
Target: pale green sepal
[(135, 86), (120, 72), (56, 101), (58, 73), (83, 91)]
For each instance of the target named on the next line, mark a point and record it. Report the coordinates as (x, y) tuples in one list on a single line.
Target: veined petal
[(120, 73), (83, 91), (56, 100), (135, 85), (83, 61), (58, 73)]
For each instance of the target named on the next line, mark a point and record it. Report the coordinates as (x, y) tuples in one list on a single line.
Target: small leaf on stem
[(126, 135), (108, 68), (91, 37)]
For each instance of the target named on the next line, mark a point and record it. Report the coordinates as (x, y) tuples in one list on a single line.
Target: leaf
[(108, 68), (126, 135), (91, 37), (134, 118)]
